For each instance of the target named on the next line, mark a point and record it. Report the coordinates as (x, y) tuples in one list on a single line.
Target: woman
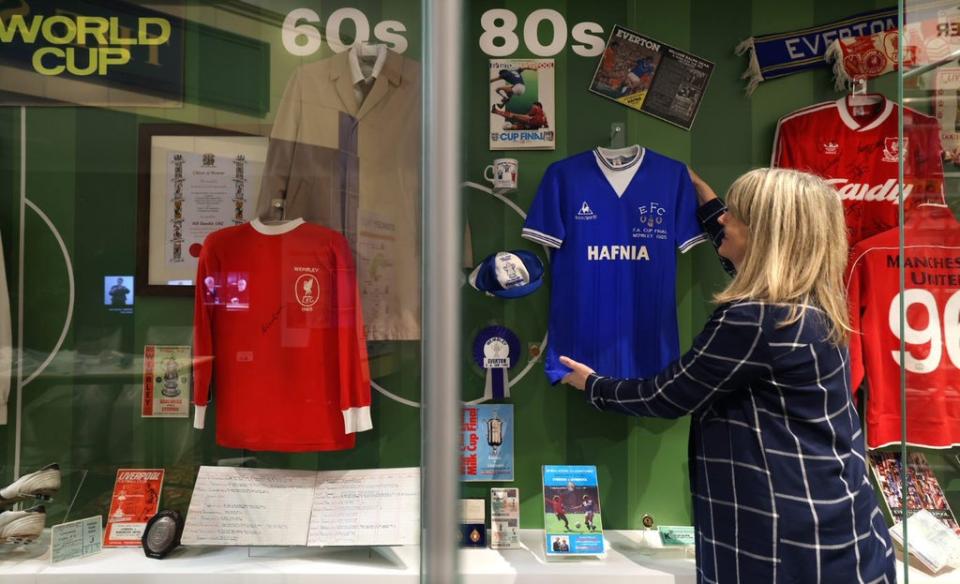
[(777, 467)]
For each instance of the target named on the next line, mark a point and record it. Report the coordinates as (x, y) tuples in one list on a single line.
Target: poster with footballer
[(571, 512), (522, 114), (652, 77)]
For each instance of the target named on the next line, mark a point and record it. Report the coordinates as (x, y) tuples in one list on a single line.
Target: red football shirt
[(278, 325), (858, 152), (932, 330)]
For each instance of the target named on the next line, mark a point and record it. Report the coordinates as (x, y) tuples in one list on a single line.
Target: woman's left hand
[(578, 377)]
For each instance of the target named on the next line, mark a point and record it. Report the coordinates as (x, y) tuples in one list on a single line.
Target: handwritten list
[(366, 507), (248, 506)]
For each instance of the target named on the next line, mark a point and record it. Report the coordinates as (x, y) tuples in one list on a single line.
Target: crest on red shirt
[(308, 290), (891, 148)]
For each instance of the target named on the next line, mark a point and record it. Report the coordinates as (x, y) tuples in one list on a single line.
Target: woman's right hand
[(704, 192)]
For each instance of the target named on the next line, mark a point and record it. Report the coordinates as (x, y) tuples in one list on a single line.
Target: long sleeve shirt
[(777, 469), (708, 214)]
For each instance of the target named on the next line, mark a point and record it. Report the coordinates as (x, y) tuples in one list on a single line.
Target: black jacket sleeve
[(708, 213)]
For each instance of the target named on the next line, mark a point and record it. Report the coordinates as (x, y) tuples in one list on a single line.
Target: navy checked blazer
[(777, 468)]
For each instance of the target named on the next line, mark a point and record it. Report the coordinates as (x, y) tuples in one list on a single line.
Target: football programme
[(571, 519)]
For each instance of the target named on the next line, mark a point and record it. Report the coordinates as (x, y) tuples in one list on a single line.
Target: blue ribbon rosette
[(496, 349)]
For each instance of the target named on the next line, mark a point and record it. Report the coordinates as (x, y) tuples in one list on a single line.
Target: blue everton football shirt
[(614, 220)]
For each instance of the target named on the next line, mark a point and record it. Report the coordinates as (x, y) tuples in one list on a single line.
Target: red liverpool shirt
[(278, 327), (859, 154), (932, 332)]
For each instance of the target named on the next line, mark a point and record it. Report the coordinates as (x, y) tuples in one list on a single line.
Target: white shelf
[(627, 561)]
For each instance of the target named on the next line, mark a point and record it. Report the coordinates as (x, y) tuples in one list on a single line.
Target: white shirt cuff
[(357, 420), (199, 412)]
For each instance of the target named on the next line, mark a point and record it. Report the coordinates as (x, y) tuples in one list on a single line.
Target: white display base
[(627, 562)]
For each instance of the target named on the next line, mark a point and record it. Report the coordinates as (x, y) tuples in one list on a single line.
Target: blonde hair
[(796, 249)]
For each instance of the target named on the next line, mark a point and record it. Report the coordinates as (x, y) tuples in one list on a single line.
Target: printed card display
[(166, 381), (571, 513), (76, 539), (677, 535), (522, 114), (504, 518), (486, 443), (652, 77), (136, 497), (924, 489)]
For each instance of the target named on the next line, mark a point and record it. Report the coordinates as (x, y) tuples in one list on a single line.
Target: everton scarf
[(776, 55)]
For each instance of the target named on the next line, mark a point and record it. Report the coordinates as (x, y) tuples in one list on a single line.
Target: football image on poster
[(522, 105), (571, 520)]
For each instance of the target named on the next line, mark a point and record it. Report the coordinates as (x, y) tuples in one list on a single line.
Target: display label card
[(504, 518), (136, 497), (486, 443), (677, 535), (572, 524), (249, 506), (366, 507), (652, 77), (166, 381), (76, 539)]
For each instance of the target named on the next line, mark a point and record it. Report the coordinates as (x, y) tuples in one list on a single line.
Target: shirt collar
[(353, 61)]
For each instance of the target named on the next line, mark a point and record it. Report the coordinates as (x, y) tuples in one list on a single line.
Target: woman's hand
[(704, 192), (578, 377)]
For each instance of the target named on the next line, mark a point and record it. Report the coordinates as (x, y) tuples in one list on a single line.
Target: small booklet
[(571, 518), (931, 542), (924, 491), (486, 443), (136, 498)]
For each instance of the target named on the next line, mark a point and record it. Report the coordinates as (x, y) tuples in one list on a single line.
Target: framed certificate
[(193, 180)]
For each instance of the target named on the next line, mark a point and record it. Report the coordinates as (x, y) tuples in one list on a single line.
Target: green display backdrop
[(81, 171)]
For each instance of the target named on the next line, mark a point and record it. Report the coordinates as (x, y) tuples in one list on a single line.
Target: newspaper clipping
[(652, 77)]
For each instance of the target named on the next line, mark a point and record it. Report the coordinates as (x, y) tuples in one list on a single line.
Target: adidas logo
[(585, 212)]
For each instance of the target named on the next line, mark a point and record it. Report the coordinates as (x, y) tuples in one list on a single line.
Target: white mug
[(502, 174)]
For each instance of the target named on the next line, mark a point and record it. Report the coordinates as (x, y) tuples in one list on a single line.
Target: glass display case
[(288, 284)]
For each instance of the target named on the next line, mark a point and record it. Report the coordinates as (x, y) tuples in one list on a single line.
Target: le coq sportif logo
[(78, 44)]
